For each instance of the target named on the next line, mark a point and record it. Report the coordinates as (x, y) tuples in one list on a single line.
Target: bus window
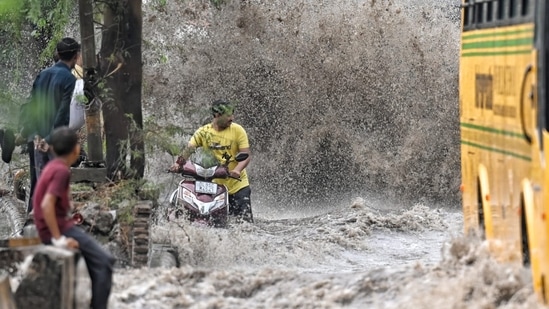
[(479, 10), (500, 10), (524, 7), (512, 8), (489, 11), (466, 14)]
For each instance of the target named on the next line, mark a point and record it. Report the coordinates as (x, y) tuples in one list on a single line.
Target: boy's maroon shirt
[(54, 179)]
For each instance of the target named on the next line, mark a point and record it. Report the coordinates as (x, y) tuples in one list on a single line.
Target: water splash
[(337, 97)]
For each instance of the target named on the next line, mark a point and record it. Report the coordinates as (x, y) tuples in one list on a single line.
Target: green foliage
[(82, 99), (160, 5), (158, 137), (131, 190), (149, 191), (121, 196), (163, 59), (11, 18), (125, 215), (48, 19), (9, 5), (10, 8), (218, 3), (9, 109)]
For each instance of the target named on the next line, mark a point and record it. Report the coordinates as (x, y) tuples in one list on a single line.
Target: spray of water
[(337, 97)]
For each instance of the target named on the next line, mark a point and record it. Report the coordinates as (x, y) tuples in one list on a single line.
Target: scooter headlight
[(205, 172)]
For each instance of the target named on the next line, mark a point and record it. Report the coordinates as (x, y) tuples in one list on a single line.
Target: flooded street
[(353, 257), (337, 97)]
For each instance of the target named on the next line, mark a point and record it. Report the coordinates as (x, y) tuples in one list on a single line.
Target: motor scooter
[(197, 197)]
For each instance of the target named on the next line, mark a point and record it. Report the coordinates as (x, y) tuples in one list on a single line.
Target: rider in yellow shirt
[(223, 136)]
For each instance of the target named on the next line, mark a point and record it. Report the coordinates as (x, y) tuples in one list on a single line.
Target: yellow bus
[(504, 120)]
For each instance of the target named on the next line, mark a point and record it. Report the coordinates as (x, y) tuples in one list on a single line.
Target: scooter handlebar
[(184, 174)]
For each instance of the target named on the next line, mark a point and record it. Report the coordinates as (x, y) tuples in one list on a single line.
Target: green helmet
[(222, 107)]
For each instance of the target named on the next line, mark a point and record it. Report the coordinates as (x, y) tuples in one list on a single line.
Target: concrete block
[(49, 280)]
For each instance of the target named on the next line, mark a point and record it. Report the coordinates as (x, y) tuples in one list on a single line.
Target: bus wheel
[(524, 235), (481, 223)]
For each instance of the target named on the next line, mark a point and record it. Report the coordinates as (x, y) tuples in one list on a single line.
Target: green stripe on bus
[(497, 44), (497, 53), (505, 152), (495, 34), (492, 130)]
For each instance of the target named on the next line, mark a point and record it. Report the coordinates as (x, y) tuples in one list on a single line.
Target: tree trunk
[(121, 45)]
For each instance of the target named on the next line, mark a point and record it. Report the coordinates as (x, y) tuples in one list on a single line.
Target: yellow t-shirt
[(230, 140)]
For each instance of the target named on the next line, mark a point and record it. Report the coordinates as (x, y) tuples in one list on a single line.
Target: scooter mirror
[(241, 156)]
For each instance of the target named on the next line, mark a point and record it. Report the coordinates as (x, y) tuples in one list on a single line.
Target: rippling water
[(353, 257)]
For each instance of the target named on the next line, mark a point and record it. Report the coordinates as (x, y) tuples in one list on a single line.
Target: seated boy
[(51, 205)]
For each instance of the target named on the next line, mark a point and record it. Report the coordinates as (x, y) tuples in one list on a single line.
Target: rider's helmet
[(222, 107)]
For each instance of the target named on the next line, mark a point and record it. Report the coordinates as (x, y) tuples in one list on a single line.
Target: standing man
[(51, 204), (223, 136), (48, 107)]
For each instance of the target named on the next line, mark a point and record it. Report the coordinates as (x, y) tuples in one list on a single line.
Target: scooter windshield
[(204, 158)]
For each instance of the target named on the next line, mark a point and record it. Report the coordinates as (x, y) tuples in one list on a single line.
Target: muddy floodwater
[(338, 98), (356, 256)]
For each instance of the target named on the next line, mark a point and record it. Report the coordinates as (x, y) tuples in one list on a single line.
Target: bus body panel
[(503, 99), (494, 150)]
